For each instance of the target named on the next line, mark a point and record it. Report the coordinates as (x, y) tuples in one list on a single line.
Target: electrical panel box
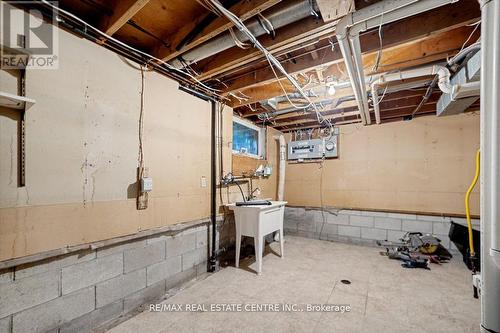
[(313, 149)]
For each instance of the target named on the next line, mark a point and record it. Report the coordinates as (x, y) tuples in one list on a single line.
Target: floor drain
[(345, 281)]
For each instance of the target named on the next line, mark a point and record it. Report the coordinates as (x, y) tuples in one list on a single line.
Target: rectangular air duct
[(449, 104)]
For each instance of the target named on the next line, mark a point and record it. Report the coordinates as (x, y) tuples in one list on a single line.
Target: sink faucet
[(252, 196)]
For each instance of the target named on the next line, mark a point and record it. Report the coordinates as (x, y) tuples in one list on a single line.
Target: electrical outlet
[(146, 184), (203, 181)]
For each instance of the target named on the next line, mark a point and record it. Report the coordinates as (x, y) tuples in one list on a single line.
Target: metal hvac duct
[(289, 12)]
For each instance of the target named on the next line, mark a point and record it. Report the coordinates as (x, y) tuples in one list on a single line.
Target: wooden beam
[(244, 10), (385, 106), (123, 11), (440, 20), (416, 53), (304, 31), (395, 97)]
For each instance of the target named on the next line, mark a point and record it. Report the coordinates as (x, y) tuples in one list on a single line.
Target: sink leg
[(238, 247), (258, 253), (282, 240)]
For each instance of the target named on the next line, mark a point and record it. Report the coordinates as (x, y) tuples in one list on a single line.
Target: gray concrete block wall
[(80, 291), (365, 227)]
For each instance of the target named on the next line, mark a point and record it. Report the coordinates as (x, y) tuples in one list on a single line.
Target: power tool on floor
[(416, 250)]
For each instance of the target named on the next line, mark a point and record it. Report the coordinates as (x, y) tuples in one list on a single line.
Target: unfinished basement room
[(227, 166)]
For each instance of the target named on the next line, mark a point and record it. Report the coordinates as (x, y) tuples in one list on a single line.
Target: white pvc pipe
[(443, 82), (281, 180), (349, 27)]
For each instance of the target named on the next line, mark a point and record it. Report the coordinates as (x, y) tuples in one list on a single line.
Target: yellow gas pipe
[(467, 208)]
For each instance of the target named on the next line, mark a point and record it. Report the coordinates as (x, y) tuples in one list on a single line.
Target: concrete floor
[(384, 296)]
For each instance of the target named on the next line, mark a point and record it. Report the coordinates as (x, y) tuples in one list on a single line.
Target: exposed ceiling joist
[(244, 10), (443, 19), (304, 31), (123, 11)]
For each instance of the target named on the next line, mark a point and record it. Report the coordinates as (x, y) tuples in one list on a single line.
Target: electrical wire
[(476, 25), (106, 36), (271, 59), (379, 53), (381, 98)]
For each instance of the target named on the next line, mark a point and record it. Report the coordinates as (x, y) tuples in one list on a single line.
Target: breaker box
[(313, 149)]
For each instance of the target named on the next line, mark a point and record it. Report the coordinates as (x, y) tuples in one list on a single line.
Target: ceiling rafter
[(243, 9), (443, 19), (123, 11)]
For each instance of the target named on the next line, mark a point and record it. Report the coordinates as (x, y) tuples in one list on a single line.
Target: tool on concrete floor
[(416, 250)]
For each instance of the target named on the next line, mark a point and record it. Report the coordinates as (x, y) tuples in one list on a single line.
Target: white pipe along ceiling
[(349, 28), (443, 82)]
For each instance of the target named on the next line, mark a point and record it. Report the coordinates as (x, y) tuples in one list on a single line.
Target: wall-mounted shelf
[(15, 101)]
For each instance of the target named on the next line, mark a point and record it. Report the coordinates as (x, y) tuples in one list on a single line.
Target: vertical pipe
[(281, 179), (213, 187), (490, 163)]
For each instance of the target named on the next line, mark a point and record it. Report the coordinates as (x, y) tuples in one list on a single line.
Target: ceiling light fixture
[(331, 90)]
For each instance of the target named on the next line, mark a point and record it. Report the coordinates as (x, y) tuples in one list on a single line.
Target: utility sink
[(257, 222)]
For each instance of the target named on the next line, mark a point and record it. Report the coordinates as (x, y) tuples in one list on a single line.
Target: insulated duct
[(279, 16)]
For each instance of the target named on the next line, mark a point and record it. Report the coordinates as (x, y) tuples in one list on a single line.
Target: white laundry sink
[(257, 222)]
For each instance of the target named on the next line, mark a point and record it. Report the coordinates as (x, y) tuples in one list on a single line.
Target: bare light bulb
[(331, 90)]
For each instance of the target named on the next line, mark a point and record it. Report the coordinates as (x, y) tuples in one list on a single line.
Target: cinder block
[(202, 238), (306, 234), (5, 325), (432, 218), (417, 226), (192, 258), (59, 311), (312, 215), (375, 234), (201, 269), (56, 263), (338, 219), (179, 279), (143, 256), (163, 270), (158, 238), (327, 228), (306, 225), (361, 221), (290, 232), (346, 230), (387, 223), (351, 212), (295, 213), (112, 290), (6, 275), (91, 272), (402, 216), (119, 248), (337, 238), (143, 296), (180, 244), (28, 292), (441, 228), (88, 322), (394, 235), (322, 215), (445, 241), (374, 214), (289, 223)]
